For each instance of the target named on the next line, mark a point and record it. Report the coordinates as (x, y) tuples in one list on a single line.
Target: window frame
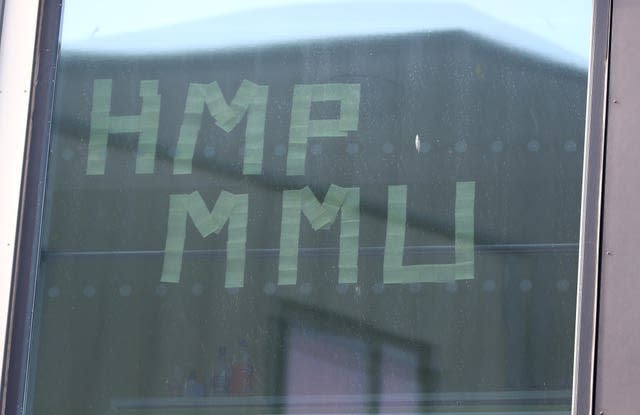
[(591, 214), (30, 117), (17, 290)]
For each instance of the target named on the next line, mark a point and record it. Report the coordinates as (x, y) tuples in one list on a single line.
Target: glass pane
[(306, 207)]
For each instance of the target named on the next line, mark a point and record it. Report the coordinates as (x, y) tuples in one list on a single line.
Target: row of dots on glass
[(306, 288), (352, 149)]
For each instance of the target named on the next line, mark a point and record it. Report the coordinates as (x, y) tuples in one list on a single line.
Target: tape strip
[(254, 135), (289, 237), (321, 216), (228, 207), (176, 233), (103, 124), (99, 129), (250, 99), (149, 125), (302, 127), (393, 270), (465, 230), (237, 241), (349, 237)]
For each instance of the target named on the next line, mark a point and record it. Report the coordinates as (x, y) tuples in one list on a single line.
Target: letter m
[(295, 203), (228, 207)]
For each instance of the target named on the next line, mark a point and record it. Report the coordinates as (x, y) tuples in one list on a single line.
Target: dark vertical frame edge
[(1, 15), (16, 355), (591, 215)]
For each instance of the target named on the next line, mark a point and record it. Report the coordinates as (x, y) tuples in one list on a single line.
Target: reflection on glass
[(303, 207)]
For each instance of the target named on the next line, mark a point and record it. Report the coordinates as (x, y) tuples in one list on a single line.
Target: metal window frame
[(591, 211), (30, 30), (34, 108)]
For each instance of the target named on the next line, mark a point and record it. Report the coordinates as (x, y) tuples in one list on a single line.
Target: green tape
[(289, 237), (176, 233), (320, 216), (256, 120), (250, 99), (463, 268), (316, 213), (124, 124), (349, 237), (465, 230), (103, 124), (99, 129), (149, 125), (237, 242), (229, 207), (302, 127)]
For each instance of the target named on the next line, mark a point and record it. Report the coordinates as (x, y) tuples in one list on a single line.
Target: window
[(307, 207)]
